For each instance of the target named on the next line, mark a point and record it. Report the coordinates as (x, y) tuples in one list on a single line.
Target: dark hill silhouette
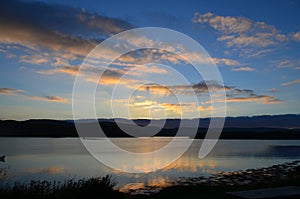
[(255, 127)]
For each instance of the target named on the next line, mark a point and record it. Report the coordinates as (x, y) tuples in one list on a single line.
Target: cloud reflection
[(46, 170)]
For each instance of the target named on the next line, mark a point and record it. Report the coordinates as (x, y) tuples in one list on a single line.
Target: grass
[(102, 187), (83, 188)]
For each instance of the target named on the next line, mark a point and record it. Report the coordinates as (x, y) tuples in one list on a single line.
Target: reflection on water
[(283, 151), (147, 160), (48, 170), (61, 158), (155, 182)]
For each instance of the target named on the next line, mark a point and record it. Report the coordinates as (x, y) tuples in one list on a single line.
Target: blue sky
[(255, 44)]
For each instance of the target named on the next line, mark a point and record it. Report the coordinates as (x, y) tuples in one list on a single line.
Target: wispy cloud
[(66, 33), (18, 92), (179, 108), (261, 99), (249, 69), (233, 94), (110, 76), (296, 36), (240, 32), (35, 59), (273, 90), (227, 62), (297, 81), (198, 88), (51, 99), (290, 63), (68, 20), (71, 70), (10, 91)]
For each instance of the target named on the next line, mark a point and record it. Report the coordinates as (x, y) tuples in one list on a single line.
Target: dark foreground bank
[(215, 186)]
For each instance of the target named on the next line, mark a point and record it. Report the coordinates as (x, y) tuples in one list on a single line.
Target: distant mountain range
[(255, 127)]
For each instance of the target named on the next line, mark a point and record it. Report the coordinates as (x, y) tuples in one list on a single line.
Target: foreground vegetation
[(83, 188), (214, 187)]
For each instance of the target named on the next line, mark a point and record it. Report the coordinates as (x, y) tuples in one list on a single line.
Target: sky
[(254, 44)]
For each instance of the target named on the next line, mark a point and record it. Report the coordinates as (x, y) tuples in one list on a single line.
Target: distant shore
[(283, 127)]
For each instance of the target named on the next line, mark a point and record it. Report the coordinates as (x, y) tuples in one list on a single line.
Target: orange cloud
[(10, 91), (156, 89), (51, 99), (36, 38), (71, 70), (261, 99), (201, 87), (51, 170), (205, 108), (179, 107), (111, 80), (36, 59)]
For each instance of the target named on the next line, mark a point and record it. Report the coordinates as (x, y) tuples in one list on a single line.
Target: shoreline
[(214, 186), (256, 176)]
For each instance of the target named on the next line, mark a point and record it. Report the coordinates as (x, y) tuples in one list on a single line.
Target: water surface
[(64, 158)]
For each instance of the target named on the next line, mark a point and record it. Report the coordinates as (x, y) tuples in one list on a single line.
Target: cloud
[(141, 70), (297, 81), (175, 108), (179, 108), (293, 63), (227, 62), (243, 69), (110, 76), (70, 70), (257, 53), (198, 88), (102, 24), (65, 32), (296, 36), (36, 38), (273, 90), (59, 18), (35, 59), (240, 32), (145, 103), (151, 55), (91, 74), (37, 26), (50, 99), (10, 91), (15, 92), (233, 94), (261, 99)]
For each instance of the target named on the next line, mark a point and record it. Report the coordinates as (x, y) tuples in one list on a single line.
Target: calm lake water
[(64, 158)]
